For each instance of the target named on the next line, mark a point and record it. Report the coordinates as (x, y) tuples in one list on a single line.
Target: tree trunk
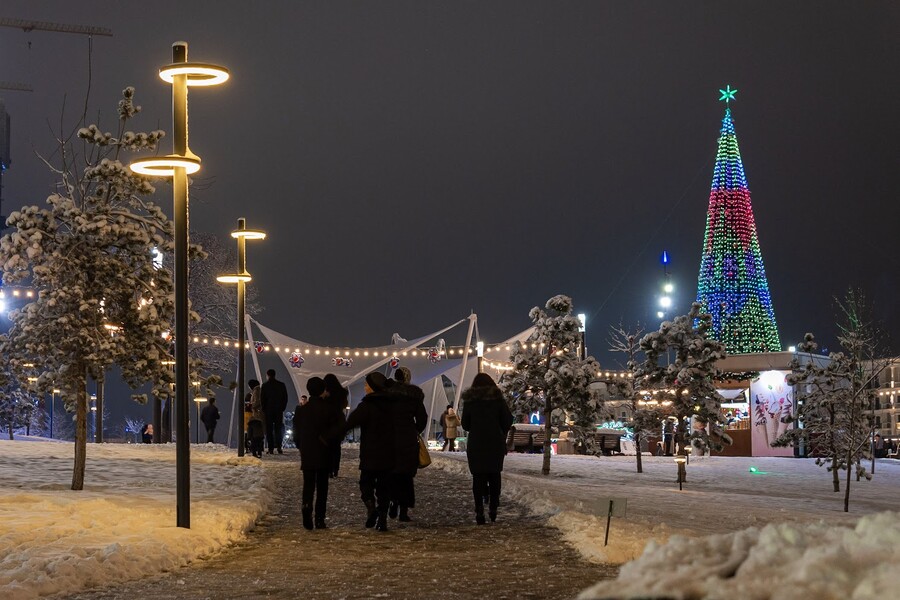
[(835, 456), (847, 490), (637, 445), (545, 468), (10, 429), (80, 435)]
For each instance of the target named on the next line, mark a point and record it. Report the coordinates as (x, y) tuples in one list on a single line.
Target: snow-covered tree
[(549, 375), (835, 397), (101, 301), (680, 367), (646, 411)]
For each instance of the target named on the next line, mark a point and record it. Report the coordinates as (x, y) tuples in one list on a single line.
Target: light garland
[(732, 285)]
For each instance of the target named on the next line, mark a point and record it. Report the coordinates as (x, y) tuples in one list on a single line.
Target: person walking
[(312, 423), (410, 418), (486, 419), (274, 402), (209, 417), (376, 448), (339, 396), (451, 422), (256, 420)]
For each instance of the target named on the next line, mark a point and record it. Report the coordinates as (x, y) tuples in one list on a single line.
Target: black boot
[(392, 511), (307, 517), (404, 514), (492, 513), (479, 515), (381, 525), (320, 522), (371, 515)]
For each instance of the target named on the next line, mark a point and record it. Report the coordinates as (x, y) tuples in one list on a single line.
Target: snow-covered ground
[(122, 525), (721, 496)]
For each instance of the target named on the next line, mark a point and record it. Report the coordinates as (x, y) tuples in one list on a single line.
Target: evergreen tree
[(101, 301), (835, 396), (549, 375), (680, 366)]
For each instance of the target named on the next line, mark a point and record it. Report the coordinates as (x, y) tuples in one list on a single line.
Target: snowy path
[(442, 554)]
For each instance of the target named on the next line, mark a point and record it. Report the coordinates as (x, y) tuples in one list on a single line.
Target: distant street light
[(181, 74), (241, 278)]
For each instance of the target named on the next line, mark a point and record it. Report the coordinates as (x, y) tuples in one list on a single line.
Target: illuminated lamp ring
[(234, 278), (198, 74), (249, 234), (164, 166)]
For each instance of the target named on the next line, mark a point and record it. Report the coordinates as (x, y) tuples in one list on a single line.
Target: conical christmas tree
[(732, 285)]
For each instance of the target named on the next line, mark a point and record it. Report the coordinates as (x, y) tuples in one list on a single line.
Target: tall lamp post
[(53, 394), (178, 166), (241, 277)]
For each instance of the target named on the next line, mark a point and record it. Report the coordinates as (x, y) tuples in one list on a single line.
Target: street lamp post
[(479, 352), (241, 277), (178, 166), (53, 394), (197, 400)]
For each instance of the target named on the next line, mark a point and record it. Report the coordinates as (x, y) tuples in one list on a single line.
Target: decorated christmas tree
[(732, 285)]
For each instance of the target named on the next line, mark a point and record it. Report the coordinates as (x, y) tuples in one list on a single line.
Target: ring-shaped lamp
[(249, 234), (164, 166), (234, 278), (199, 74)]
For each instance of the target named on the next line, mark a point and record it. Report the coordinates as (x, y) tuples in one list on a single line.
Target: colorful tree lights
[(732, 286)]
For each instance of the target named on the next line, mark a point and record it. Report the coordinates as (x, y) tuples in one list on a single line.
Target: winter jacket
[(273, 394), (410, 419), (487, 419), (209, 416), (312, 423), (375, 418), (451, 424), (256, 411)]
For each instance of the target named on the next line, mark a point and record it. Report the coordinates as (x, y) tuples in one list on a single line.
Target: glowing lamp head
[(248, 234), (479, 349), (197, 74), (234, 278), (164, 166), (680, 459), (668, 288), (665, 302)]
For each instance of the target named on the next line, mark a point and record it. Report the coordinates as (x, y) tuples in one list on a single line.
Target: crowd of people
[(391, 418)]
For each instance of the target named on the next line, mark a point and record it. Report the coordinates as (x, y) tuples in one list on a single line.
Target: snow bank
[(776, 562), (122, 525)]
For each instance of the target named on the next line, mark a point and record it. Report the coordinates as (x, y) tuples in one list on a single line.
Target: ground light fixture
[(680, 460), (181, 74), (241, 277)]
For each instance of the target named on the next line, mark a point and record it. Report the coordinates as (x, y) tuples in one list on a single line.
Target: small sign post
[(615, 507)]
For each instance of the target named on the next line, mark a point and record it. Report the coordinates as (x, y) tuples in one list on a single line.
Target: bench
[(524, 440), (608, 443)]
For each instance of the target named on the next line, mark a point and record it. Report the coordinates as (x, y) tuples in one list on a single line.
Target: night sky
[(415, 160)]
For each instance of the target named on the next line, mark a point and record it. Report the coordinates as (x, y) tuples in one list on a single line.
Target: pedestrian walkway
[(441, 554)]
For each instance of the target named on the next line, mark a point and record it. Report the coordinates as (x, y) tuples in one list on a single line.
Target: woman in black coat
[(410, 419), (339, 396), (377, 449), (487, 419)]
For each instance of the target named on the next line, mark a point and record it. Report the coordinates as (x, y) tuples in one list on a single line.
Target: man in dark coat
[(377, 449), (486, 418), (410, 418), (209, 417), (273, 394), (313, 422)]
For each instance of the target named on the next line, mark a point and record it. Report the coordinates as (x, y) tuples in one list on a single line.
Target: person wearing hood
[(377, 449), (410, 419), (312, 422), (486, 418), (256, 419), (339, 396)]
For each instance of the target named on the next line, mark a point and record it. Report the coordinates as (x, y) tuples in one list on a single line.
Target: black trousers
[(376, 485), (486, 484), (274, 431), (403, 490), (335, 458), (315, 483), (210, 433)]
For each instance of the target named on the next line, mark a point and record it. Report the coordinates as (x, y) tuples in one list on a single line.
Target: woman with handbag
[(487, 419), (410, 418)]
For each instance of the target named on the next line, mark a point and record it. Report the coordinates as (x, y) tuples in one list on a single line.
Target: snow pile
[(122, 525), (779, 561)]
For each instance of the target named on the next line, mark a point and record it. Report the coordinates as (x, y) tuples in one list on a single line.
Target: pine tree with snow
[(549, 375), (835, 397), (101, 301), (646, 411), (680, 367)]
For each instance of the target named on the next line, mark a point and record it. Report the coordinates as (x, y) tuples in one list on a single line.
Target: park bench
[(608, 442), (519, 441)]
